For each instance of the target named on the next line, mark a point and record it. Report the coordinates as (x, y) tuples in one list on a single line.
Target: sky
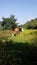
[(23, 10)]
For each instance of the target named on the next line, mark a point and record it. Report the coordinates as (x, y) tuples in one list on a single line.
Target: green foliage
[(12, 53), (9, 23), (31, 24), (0, 25), (29, 36), (20, 49)]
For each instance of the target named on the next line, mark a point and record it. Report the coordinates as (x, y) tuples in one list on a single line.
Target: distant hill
[(30, 24)]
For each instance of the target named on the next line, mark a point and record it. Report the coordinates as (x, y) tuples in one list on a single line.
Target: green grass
[(29, 36), (20, 49)]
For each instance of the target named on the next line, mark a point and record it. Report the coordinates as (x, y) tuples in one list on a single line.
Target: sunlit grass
[(20, 49), (29, 36)]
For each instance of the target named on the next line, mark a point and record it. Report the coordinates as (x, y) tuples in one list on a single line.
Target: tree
[(3, 22), (9, 23), (31, 24), (13, 22)]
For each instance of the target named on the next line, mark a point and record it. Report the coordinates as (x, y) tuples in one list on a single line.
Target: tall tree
[(9, 23)]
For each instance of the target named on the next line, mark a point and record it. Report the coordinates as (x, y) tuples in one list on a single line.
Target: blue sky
[(23, 10)]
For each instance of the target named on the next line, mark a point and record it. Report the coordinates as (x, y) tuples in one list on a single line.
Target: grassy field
[(29, 36), (20, 49)]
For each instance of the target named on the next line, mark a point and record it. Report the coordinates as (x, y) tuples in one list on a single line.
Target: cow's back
[(16, 31)]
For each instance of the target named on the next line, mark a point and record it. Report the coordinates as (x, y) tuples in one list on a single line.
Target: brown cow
[(16, 31)]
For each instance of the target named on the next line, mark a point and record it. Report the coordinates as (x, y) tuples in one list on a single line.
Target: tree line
[(11, 23), (30, 24)]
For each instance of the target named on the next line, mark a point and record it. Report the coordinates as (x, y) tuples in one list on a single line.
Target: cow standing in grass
[(16, 31)]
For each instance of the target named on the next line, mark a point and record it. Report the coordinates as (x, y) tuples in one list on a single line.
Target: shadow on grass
[(12, 53)]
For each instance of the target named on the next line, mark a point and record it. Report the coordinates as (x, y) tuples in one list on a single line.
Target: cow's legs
[(13, 34)]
